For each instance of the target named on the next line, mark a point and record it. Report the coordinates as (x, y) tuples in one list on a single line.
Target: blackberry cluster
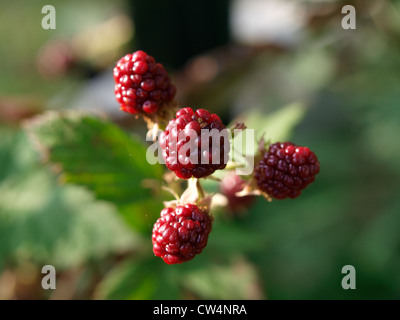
[(180, 233), (182, 144), (141, 84), (195, 144), (285, 170)]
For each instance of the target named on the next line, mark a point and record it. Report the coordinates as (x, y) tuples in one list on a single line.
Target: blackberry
[(141, 84), (229, 186), (181, 233), (195, 144), (285, 170)]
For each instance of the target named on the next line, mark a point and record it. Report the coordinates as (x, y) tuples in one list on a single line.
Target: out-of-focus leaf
[(15, 154), (239, 280), (233, 238), (65, 228), (142, 215), (376, 247), (278, 125), (139, 279), (97, 154), (43, 222), (304, 74), (273, 127)]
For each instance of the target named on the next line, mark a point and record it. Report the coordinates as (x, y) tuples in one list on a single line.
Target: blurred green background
[(72, 195)]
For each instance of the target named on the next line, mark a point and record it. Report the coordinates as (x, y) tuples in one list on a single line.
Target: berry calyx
[(181, 233), (195, 144), (141, 84), (285, 170)]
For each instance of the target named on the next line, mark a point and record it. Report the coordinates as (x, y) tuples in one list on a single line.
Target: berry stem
[(238, 125), (195, 187), (153, 132), (200, 190), (233, 165), (171, 191), (213, 178)]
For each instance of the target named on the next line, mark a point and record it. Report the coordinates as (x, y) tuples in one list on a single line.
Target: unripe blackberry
[(285, 170), (229, 186), (141, 84), (195, 144), (181, 233)]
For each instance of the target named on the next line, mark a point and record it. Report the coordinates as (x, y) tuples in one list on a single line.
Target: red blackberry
[(195, 144), (180, 233), (229, 186), (285, 170), (142, 85)]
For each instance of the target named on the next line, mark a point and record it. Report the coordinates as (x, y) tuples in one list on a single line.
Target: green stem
[(234, 165), (171, 191), (200, 190), (194, 184)]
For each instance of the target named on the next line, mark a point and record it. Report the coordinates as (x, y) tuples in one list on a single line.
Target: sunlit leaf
[(97, 154), (47, 223)]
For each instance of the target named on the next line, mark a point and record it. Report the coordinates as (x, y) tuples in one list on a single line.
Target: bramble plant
[(83, 183), (195, 146)]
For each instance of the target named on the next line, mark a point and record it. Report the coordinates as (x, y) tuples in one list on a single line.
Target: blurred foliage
[(275, 126), (98, 155), (335, 91), (28, 40), (41, 220)]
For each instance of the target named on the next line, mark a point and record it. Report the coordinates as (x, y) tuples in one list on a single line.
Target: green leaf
[(97, 154), (141, 279), (237, 280), (44, 222), (147, 213), (278, 125), (15, 154), (64, 228), (273, 127)]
